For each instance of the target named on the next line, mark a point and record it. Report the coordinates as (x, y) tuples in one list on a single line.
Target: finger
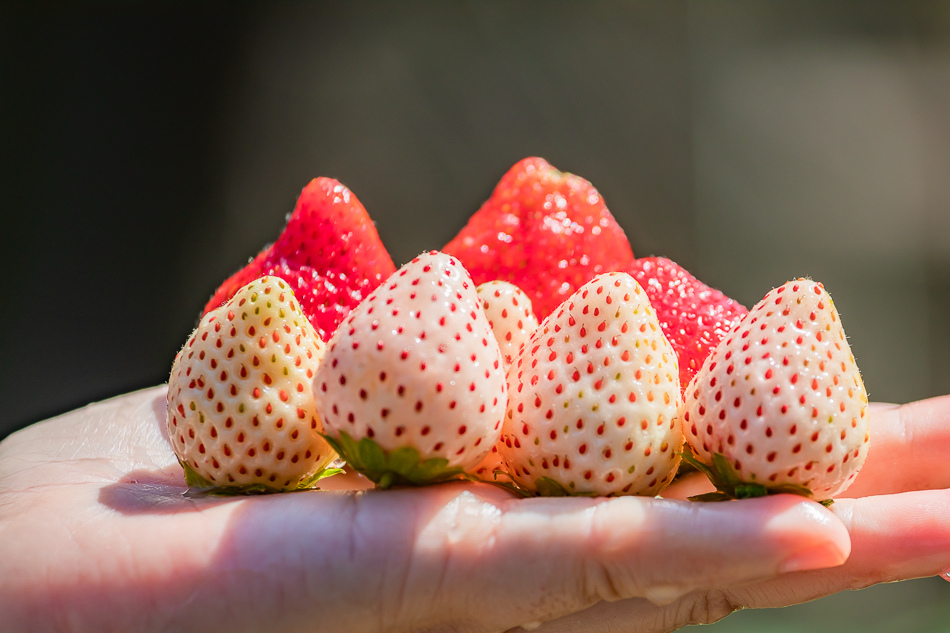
[(452, 555), (909, 449), (478, 556), (894, 537)]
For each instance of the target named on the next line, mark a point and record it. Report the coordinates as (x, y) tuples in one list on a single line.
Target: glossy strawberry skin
[(693, 316), (510, 314), (781, 398), (594, 397), (330, 253), (240, 408), (546, 231), (416, 366)]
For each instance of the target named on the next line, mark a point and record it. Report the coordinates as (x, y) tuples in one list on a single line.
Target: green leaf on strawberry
[(401, 466), (201, 487), (728, 485), (547, 487)]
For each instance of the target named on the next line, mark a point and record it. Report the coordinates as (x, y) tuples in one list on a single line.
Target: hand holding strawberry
[(92, 500), (466, 555)]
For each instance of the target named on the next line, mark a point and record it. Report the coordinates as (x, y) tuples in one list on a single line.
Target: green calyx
[(198, 486), (729, 486), (547, 487), (402, 466)]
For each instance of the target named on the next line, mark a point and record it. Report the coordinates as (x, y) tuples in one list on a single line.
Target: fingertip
[(815, 536)]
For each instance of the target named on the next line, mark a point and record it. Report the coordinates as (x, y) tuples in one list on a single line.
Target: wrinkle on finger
[(448, 546), (603, 550), (673, 548)]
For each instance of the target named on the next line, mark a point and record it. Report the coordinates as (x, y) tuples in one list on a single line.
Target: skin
[(97, 535)]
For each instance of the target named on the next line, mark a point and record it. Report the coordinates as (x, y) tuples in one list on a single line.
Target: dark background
[(148, 149)]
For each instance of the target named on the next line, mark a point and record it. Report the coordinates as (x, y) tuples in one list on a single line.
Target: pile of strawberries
[(532, 351)]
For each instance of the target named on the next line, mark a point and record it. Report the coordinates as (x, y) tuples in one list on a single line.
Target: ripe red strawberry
[(693, 316), (412, 388), (510, 315), (329, 253), (240, 405), (545, 231), (593, 397), (780, 406)]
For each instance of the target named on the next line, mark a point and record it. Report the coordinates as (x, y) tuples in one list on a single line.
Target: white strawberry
[(512, 321), (412, 388), (593, 397), (780, 406), (509, 312), (240, 407)]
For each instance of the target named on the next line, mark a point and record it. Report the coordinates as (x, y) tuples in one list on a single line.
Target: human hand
[(95, 534)]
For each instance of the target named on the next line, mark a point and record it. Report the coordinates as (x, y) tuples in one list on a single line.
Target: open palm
[(96, 534)]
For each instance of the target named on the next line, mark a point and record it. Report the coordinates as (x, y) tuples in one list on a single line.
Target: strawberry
[(487, 469), (693, 316), (545, 231), (329, 253), (510, 315), (412, 388), (241, 414), (593, 397), (780, 406), (512, 321)]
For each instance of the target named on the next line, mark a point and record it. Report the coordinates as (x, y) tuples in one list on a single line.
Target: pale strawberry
[(780, 406), (491, 465), (593, 397), (240, 412), (510, 315), (412, 388), (512, 321)]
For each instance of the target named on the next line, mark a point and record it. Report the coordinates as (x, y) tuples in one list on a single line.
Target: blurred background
[(148, 149)]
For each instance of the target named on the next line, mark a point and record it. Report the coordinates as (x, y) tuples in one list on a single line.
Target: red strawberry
[(329, 253), (545, 231), (240, 406), (780, 406), (412, 388), (693, 316), (510, 315), (593, 397)]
